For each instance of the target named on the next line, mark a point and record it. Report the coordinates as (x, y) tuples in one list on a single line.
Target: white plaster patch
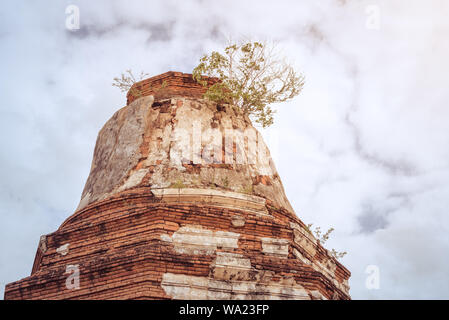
[(327, 268), (230, 266), (303, 232), (194, 239), (316, 295), (238, 221), (227, 199), (231, 274), (180, 286), (304, 242), (275, 246), (84, 201), (235, 260), (64, 249), (43, 243), (301, 257), (304, 239)]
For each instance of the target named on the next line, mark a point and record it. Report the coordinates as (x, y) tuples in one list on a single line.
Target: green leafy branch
[(252, 77)]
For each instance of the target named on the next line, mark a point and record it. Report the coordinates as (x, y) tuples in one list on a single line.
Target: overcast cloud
[(363, 149)]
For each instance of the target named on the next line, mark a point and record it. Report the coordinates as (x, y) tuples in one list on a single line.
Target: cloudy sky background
[(363, 149)]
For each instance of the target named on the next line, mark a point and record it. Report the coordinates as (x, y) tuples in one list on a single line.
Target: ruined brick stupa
[(182, 202)]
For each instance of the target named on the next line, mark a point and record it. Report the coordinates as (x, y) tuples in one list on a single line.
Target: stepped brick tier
[(183, 201), (167, 85)]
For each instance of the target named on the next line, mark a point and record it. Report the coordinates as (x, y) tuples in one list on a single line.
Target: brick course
[(117, 244), (177, 84)]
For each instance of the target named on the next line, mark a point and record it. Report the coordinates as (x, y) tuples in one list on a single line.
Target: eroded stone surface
[(238, 221), (233, 277), (304, 239), (216, 197), (153, 225), (182, 142), (64, 249), (117, 152), (193, 239)]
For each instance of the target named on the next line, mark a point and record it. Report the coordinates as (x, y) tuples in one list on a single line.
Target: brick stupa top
[(175, 84)]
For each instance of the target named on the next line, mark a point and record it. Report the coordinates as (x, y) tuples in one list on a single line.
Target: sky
[(363, 149)]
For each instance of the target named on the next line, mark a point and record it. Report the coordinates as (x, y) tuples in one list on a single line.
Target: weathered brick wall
[(140, 234), (135, 244)]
